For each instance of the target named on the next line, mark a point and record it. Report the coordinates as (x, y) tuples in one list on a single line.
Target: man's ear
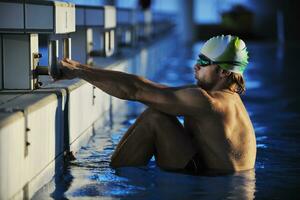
[(224, 73)]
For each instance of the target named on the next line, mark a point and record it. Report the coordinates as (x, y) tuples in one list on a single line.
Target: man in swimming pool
[(217, 135)]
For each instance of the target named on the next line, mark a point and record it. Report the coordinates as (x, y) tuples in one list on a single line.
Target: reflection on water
[(272, 102), (91, 177)]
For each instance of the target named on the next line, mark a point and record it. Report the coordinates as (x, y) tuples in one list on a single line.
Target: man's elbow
[(135, 94)]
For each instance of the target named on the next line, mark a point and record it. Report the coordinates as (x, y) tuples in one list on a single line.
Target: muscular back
[(224, 136)]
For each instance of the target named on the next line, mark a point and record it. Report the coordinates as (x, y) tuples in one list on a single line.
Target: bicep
[(185, 101)]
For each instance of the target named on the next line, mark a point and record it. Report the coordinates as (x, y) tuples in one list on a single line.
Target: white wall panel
[(109, 17), (46, 141), (44, 123), (84, 110), (13, 164), (71, 19), (64, 17), (80, 100)]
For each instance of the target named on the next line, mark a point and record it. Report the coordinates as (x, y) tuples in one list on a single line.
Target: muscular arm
[(115, 83), (176, 101)]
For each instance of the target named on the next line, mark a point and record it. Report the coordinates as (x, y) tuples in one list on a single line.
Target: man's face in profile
[(206, 76)]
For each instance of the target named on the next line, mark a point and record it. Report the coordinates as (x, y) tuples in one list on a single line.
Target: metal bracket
[(94, 95)]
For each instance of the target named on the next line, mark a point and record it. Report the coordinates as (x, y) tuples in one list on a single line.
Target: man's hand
[(68, 68)]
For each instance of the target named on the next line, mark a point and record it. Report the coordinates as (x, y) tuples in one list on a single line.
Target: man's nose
[(197, 67)]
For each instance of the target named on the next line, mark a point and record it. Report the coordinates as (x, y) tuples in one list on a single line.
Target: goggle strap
[(228, 62), (203, 58)]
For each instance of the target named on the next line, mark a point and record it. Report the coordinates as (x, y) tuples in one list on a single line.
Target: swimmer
[(217, 134)]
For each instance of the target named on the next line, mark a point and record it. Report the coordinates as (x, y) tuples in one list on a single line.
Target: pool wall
[(38, 128)]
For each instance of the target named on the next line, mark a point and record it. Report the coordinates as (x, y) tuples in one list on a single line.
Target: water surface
[(272, 100)]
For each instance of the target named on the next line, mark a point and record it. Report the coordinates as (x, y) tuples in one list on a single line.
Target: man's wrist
[(81, 71)]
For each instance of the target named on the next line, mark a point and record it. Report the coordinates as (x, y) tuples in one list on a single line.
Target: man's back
[(224, 137)]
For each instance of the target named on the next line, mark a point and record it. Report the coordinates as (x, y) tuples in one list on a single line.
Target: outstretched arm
[(118, 84), (177, 101)]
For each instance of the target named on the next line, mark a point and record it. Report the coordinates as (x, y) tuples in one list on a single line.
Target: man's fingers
[(66, 64), (74, 62), (67, 60), (63, 62)]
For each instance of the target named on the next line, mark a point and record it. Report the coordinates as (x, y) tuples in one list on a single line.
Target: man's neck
[(222, 86), (219, 86)]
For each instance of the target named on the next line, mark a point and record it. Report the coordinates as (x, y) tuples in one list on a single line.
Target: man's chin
[(198, 82), (202, 85)]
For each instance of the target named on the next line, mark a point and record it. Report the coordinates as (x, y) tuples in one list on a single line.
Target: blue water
[(272, 101)]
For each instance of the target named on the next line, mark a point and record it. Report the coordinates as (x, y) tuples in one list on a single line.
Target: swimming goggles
[(205, 61)]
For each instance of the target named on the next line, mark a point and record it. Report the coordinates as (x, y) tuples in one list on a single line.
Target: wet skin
[(216, 125)]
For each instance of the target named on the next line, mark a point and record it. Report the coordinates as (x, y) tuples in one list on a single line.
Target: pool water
[(272, 100)]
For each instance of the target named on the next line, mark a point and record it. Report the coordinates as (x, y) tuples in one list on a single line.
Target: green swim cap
[(228, 49)]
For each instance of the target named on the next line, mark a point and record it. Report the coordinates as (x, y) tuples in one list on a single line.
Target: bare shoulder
[(230, 108), (232, 111), (226, 100)]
